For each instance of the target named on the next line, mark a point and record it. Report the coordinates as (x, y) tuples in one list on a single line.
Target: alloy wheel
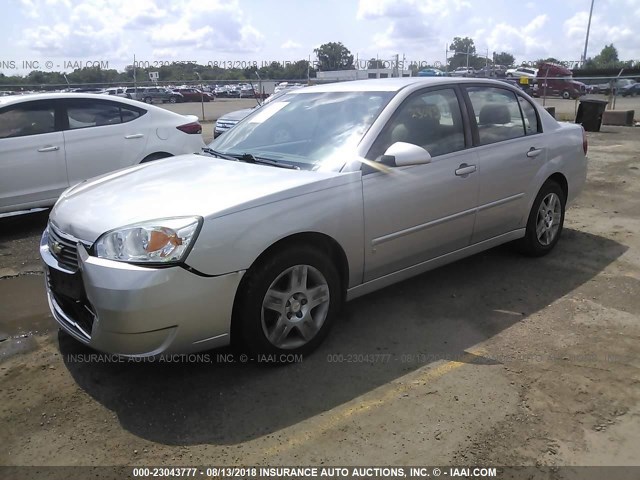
[(548, 219), (295, 307)]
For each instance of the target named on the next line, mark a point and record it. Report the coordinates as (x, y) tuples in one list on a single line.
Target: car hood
[(237, 115), (187, 185)]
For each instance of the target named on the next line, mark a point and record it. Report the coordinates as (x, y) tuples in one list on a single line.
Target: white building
[(344, 75)]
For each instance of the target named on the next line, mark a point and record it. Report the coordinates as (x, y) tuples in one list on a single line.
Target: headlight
[(165, 241)]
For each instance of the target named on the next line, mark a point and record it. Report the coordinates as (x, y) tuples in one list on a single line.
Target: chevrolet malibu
[(51, 141), (324, 195)]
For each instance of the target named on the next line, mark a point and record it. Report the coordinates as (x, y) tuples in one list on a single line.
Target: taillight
[(585, 144), (191, 128)]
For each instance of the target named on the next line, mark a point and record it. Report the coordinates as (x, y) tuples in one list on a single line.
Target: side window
[(530, 117), (92, 114), (497, 114), (129, 114), (431, 120), (27, 119)]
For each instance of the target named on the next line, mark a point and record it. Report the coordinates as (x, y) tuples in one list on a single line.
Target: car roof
[(389, 84), (15, 99)]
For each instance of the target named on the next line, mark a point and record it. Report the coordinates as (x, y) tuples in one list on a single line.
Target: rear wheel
[(147, 100), (545, 222), (288, 302), (566, 95)]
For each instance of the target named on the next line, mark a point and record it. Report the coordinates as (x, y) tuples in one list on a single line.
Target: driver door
[(419, 212)]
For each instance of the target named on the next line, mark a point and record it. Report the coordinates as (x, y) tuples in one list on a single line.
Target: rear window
[(91, 113)]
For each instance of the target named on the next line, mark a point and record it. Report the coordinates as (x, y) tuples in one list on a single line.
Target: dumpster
[(590, 114)]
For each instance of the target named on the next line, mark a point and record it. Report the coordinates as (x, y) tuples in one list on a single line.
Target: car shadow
[(18, 227), (378, 338)]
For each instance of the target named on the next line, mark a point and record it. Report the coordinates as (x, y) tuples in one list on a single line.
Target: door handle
[(534, 152), (464, 170), (134, 135), (50, 148)]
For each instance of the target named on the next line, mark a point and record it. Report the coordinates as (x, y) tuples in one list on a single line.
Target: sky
[(63, 34)]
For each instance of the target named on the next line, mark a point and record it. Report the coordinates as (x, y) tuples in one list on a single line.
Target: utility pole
[(446, 57), (201, 94), (586, 40)]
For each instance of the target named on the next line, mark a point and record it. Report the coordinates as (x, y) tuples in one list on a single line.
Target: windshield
[(309, 130)]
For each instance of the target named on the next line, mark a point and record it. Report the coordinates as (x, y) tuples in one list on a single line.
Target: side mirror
[(401, 154)]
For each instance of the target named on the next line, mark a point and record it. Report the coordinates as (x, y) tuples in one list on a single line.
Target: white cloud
[(526, 41), (411, 26), (88, 28), (623, 34), (290, 45), (372, 9)]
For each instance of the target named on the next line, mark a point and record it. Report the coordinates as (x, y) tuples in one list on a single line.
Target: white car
[(521, 72), (49, 142), (116, 91), (463, 72)]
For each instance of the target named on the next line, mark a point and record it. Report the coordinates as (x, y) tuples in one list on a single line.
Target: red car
[(195, 95)]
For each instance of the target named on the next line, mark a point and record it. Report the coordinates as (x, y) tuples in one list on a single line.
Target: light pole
[(586, 40), (201, 94)]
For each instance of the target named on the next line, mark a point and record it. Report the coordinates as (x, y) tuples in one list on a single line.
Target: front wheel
[(288, 302), (147, 100), (566, 95), (173, 99), (545, 222)]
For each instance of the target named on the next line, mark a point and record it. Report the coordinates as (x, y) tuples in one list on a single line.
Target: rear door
[(511, 150), (102, 136), (32, 156)]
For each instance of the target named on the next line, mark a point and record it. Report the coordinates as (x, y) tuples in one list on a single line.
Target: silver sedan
[(327, 194)]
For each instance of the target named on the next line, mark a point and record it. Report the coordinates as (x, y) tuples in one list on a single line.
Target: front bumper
[(131, 310)]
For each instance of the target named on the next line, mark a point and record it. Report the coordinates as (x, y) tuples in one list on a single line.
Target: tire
[(543, 228), (273, 317), (148, 100), (566, 95), (173, 99)]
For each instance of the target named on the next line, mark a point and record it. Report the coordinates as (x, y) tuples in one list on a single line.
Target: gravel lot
[(497, 359)]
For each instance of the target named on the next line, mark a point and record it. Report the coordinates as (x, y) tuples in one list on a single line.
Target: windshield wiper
[(215, 153), (249, 158)]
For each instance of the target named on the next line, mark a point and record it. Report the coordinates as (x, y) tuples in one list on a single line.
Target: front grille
[(70, 301), (64, 248)]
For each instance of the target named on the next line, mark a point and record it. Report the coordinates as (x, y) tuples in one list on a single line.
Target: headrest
[(494, 113)]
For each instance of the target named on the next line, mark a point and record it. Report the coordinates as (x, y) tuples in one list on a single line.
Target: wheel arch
[(321, 241), (561, 180), (156, 156)]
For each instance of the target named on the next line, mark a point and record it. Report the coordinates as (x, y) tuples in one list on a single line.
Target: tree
[(608, 57), (503, 58), (462, 48), (373, 63), (334, 56)]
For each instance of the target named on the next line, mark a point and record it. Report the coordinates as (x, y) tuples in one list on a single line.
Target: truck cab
[(554, 79)]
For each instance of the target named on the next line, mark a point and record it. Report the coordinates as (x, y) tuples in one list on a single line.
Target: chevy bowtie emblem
[(56, 247)]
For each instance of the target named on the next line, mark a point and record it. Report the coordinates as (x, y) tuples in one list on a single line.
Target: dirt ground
[(494, 360)]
